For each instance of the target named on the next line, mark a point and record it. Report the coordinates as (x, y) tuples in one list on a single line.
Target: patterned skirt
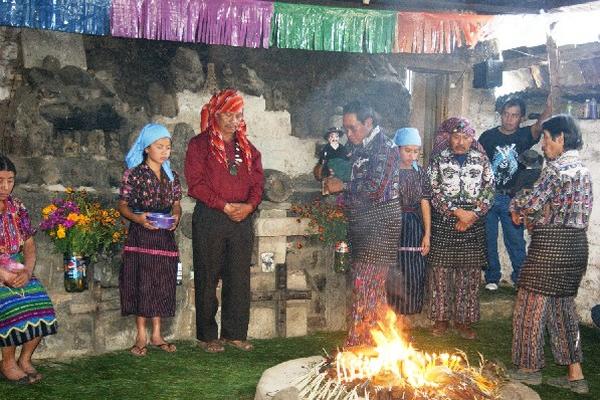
[(148, 276), (374, 233), (405, 283), (556, 261), (25, 313), (451, 248)]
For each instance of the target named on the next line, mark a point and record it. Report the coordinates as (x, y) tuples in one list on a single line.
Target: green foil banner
[(309, 27)]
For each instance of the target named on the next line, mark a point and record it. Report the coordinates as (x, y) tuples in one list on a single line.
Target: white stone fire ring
[(276, 382)]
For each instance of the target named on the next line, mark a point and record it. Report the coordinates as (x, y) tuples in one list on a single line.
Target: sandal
[(24, 380), (165, 346), (33, 374), (579, 386), (138, 351), (212, 346), (243, 345)]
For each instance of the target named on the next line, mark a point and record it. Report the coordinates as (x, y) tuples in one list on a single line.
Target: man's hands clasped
[(238, 211)]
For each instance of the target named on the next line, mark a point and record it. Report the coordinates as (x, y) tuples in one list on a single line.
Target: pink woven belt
[(151, 251)]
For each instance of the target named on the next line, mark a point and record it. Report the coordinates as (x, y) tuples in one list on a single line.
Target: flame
[(394, 363)]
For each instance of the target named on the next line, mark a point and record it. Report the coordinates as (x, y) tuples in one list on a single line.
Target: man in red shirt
[(224, 174)]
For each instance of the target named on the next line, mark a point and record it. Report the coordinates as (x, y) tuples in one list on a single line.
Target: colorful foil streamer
[(224, 22), (418, 32), (308, 27), (78, 16)]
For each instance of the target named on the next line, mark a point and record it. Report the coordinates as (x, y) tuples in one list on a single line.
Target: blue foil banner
[(78, 16)]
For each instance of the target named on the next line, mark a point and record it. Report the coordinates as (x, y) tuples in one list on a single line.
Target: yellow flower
[(60, 232), (69, 190), (73, 217), (48, 210), (116, 236)]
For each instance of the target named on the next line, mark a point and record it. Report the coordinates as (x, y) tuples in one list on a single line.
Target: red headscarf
[(450, 126), (228, 100)]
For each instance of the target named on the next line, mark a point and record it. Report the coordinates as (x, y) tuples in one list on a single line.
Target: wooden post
[(553, 70)]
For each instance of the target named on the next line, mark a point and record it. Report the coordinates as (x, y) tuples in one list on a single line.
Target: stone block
[(273, 244), (262, 321), (296, 323), (83, 308), (336, 295), (74, 338), (296, 280), (276, 382), (66, 47), (281, 226), (113, 331), (262, 281)]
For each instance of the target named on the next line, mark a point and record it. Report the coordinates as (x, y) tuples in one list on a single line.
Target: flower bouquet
[(331, 225), (327, 219), (81, 229)]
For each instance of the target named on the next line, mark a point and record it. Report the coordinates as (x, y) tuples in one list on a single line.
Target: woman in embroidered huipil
[(557, 213), (26, 312), (148, 277), (405, 283)]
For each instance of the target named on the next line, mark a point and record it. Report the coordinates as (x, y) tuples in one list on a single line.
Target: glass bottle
[(75, 272), (593, 114), (341, 263), (179, 274)]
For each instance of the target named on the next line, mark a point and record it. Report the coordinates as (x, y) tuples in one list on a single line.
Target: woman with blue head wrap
[(148, 277), (405, 283)]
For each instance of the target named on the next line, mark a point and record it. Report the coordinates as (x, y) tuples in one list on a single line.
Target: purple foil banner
[(244, 23)]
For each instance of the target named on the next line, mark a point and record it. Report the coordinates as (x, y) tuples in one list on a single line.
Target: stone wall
[(70, 125)]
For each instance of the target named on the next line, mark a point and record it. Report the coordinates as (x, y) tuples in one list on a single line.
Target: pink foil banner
[(244, 23)]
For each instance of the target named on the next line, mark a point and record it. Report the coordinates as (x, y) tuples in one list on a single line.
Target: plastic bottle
[(593, 109), (179, 274), (586, 109)]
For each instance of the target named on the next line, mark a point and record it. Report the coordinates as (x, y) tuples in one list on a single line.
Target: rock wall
[(68, 118)]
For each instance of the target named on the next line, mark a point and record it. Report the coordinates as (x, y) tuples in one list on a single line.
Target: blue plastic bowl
[(162, 221)]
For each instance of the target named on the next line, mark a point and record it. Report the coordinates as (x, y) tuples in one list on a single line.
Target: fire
[(393, 363)]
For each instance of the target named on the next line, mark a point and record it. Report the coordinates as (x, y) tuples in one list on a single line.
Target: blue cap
[(407, 137)]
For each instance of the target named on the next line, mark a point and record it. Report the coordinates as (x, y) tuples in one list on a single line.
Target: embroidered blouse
[(375, 173), (16, 226), (144, 192), (414, 187), (562, 195), (469, 185)]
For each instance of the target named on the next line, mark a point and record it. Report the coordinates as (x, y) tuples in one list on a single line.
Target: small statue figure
[(334, 157)]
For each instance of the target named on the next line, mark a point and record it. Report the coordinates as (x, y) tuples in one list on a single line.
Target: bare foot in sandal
[(212, 346), (243, 345), (165, 346), (138, 351), (29, 369)]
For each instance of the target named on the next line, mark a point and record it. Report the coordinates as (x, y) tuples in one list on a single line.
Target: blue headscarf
[(148, 135), (408, 137)]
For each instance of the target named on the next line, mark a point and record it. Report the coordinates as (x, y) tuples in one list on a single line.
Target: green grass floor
[(191, 373)]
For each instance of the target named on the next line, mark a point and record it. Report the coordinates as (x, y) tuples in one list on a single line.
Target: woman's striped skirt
[(25, 313), (148, 276)]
